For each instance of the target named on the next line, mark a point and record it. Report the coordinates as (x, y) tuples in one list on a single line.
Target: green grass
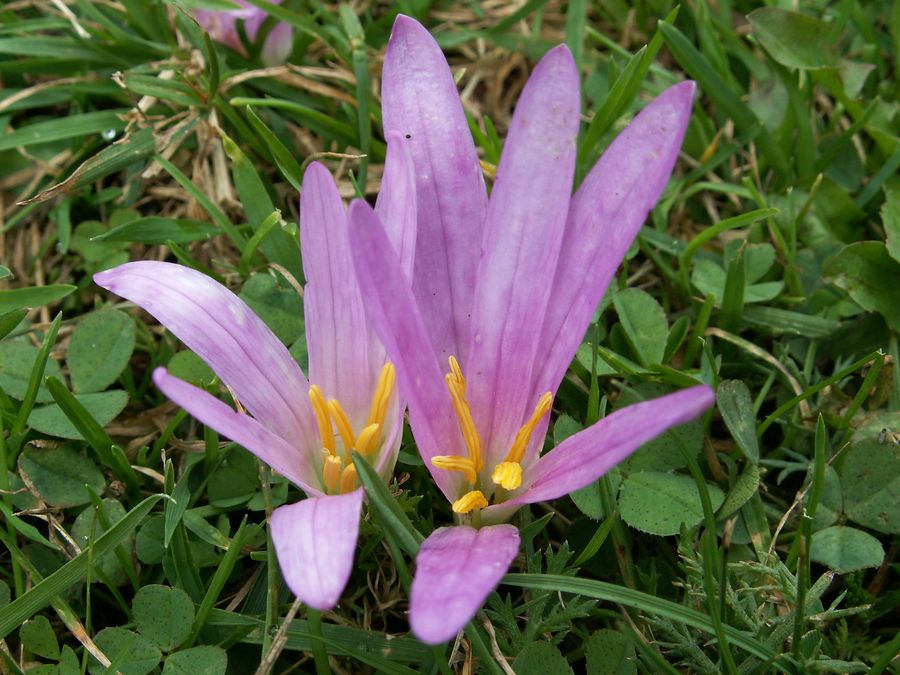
[(773, 256)]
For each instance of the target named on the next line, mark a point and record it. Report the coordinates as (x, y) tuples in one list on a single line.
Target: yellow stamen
[(456, 371), (457, 387), (320, 407), (345, 429), (507, 475), (470, 501), (349, 480), (331, 473), (517, 451), (457, 463), (383, 392), (367, 439)]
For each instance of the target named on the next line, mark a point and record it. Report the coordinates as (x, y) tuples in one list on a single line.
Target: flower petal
[(224, 332), (421, 103), (456, 569), (524, 228), (583, 458), (279, 44), (285, 458), (396, 203), (395, 317), (604, 218), (337, 334), (315, 541)]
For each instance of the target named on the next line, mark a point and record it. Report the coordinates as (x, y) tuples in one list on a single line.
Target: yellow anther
[(331, 473), (367, 440), (457, 463), (457, 389), (349, 480), (456, 371), (341, 421), (507, 475), (320, 407), (517, 451), (383, 392), (470, 501)]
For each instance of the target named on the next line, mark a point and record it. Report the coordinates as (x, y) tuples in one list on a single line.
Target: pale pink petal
[(396, 202), (420, 102), (605, 216), (278, 46), (395, 317), (525, 223), (456, 569), (224, 332), (583, 458), (337, 333), (315, 541), (288, 460)]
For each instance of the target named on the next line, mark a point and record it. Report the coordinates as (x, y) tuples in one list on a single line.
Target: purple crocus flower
[(502, 294), (222, 26), (304, 431)]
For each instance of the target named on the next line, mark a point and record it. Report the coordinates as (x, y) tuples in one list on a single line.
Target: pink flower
[(502, 293)]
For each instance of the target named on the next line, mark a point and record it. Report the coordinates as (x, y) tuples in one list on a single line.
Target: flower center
[(506, 474), (338, 473)]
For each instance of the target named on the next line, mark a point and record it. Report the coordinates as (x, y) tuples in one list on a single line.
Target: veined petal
[(583, 458), (524, 228), (337, 334), (288, 460), (420, 102), (395, 317), (604, 218), (396, 202), (456, 569), (315, 541), (224, 332)]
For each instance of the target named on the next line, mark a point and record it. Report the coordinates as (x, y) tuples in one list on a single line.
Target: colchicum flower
[(304, 431), (503, 291), (222, 26)]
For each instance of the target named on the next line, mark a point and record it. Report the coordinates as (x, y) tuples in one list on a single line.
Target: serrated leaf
[(130, 653), (609, 652), (279, 306), (100, 349), (163, 615), (87, 528), (743, 489), (666, 451), (540, 658), (871, 485), (103, 406), (16, 362), (793, 39), (149, 545), (187, 366), (870, 276), (205, 660), (890, 217), (660, 503), (38, 637), (60, 475), (644, 322), (736, 406), (846, 549)]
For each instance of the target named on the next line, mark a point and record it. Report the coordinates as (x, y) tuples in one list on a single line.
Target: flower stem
[(320, 654)]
